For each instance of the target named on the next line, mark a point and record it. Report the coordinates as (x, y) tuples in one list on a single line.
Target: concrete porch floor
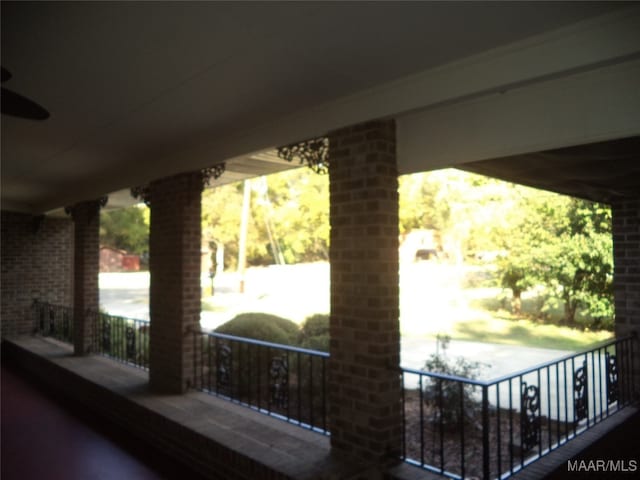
[(44, 438), (200, 436)]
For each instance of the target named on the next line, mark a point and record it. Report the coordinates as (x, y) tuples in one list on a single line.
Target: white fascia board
[(587, 107), (589, 44)]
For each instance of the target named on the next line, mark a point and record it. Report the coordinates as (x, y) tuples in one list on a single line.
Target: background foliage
[(126, 229), (536, 242)]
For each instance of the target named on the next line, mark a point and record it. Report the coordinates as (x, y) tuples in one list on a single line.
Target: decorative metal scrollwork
[(612, 378), (214, 172), (143, 193), (130, 338), (52, 322), (106, 336), (99, 202), (223, 357), (42, 317), (314, 153), (279, 382), (529, 416), (580, 393), (66, 324)]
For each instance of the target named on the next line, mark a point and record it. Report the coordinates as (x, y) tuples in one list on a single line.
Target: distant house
[(419, 244), (115, 260)]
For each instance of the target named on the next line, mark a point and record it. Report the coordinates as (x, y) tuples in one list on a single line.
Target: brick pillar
[(364, 381), (86, 270), (174, 264), (626, 280)]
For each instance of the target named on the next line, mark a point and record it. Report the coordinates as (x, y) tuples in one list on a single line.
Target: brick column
[(86, 270), (174, 264), (626, 280), (364, 381)]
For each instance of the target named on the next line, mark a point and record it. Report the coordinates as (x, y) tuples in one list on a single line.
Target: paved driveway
[(297, 291)]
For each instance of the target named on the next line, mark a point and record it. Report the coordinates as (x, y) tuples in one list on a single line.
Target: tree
[(564, 244), (292, 212), (578, 266), (126, 229), (289, 215)]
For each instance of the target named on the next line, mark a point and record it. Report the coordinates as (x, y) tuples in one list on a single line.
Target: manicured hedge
[(262, 326)]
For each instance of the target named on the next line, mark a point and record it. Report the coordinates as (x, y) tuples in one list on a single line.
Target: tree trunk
[(516, 302), (570, 308)]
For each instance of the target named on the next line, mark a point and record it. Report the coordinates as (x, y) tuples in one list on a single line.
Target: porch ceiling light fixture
[(314, 153)]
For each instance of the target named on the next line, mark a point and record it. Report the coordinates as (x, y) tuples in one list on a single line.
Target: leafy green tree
[(126, 229), (289, 218), (564, 244), (578, 266), (292, 213), (466, 210), (221, 211)]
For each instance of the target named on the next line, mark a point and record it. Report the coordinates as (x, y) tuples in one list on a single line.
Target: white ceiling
[(139, 90)]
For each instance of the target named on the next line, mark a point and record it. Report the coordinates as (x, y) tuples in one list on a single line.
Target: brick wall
[(364, 383), (86, 261), (626, 254), (174, 264), (36, 263)]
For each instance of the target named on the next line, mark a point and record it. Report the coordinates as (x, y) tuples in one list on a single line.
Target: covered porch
[(546, 96)]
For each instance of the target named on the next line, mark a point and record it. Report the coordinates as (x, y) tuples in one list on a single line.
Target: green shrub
[(314, 333), (261, 326), (445, 396)]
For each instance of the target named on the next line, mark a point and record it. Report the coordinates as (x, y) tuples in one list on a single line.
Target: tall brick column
[(626, 281), (86, 270), (364, 381), (174, 264)]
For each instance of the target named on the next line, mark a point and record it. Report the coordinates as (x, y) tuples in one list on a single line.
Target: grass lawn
[(527, 333), (435, 298), (500, 326), (480, 314)]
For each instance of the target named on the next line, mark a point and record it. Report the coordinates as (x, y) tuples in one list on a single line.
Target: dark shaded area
[(46, 436), (600, 172), (622, 444)]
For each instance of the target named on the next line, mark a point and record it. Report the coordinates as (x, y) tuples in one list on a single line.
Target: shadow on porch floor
[(42, 437)]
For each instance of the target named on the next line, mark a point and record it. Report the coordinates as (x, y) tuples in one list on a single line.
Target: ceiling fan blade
[(19, 106)]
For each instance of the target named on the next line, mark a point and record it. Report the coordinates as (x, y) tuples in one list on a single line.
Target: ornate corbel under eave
[(143, 192), (99, 203), (313, 152), (214, 172)]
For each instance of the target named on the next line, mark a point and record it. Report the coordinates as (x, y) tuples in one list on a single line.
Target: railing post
[(485, 433)]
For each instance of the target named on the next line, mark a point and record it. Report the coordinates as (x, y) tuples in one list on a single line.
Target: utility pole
[(244, 224)]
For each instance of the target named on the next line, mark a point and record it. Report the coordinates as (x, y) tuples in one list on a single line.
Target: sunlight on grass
[(526, 332), (432, 302)]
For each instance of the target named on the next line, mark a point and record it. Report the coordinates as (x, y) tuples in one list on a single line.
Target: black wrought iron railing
[(464, 428), (53, 321), (453, 426), (280, 380), (121, 338)]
